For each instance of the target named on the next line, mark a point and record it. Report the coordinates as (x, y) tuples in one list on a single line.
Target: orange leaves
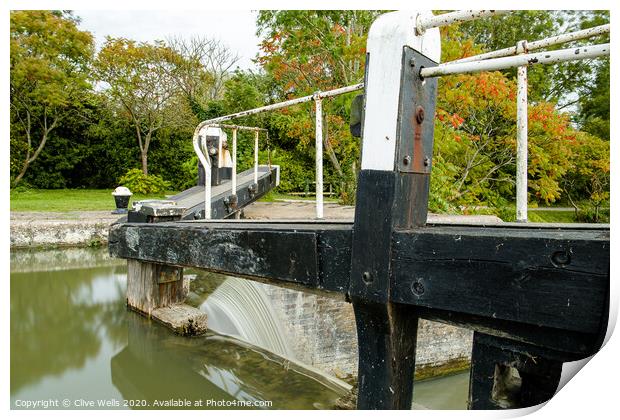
[(456, 120)]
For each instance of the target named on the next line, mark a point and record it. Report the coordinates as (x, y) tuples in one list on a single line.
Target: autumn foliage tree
[(140, 78), (475, 143), (48, 78)]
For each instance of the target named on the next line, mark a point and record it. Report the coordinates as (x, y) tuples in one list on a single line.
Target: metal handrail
[(199, 142), (536, 45)]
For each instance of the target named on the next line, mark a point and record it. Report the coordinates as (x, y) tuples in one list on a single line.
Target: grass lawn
[(551, 216), (92, 200), (276, 196), (68, 200)]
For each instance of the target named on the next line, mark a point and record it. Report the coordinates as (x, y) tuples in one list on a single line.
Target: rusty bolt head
[(407, 160), (419, 114)]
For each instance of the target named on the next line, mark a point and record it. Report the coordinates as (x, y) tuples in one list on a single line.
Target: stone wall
[(322, 333)]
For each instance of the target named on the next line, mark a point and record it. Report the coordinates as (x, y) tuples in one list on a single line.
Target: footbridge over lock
[(536, 295)]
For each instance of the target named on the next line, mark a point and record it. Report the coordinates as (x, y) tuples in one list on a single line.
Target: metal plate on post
[(416, 115)]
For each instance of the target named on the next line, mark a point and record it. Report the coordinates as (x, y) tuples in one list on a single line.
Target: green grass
[(68, 200), (551, 216), (272, 196)]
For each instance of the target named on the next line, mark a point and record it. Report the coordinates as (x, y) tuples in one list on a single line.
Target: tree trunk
[(330, 150), (22, 173), (30, 159), (145, 166)]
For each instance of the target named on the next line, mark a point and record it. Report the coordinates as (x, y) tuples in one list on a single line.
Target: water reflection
[(210, 367), (72, 337)]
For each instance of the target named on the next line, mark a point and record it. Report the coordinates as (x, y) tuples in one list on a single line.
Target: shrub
[(137, 182), (592, 214)]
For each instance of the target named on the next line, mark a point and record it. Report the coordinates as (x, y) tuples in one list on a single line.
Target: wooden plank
[(312, 255), (145, 291), (543, 277)]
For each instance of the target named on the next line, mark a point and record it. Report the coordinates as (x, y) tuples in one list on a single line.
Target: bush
[(507, 213), (592, 214), (139, 183)]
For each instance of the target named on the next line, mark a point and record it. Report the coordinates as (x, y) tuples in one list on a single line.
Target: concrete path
[(49, 229)]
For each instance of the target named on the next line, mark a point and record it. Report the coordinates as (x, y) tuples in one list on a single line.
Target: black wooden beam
[(312, 255), (557, 278)]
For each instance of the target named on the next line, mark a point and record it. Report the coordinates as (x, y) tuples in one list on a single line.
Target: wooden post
[(387, 334), (151, 286), (389, 200), (158, 291)]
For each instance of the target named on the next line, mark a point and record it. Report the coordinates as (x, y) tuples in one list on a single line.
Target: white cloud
[(235, 28)]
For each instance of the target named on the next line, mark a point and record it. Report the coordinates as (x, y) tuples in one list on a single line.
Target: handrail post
[(319, 154), (256, 157), (521, 137), (206, 163), (234, 163), (219, 152)]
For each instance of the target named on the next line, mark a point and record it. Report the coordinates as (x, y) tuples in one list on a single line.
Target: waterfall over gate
[(242, 309)]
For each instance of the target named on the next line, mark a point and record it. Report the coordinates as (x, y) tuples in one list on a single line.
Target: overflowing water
[(241, 308), (73, 340)]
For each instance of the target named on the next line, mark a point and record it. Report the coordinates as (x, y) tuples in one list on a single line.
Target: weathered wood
[(387, 341), (313, 255), (543, 277), (508, 374), (151, 286), (182, 319)]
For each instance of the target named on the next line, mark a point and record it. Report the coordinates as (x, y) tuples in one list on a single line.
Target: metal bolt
[(366, 277), (419, 114), (417, 288), (427, 161), (412, 62), (407, 160)]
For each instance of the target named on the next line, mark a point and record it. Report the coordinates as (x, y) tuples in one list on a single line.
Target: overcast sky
[(236, 29)]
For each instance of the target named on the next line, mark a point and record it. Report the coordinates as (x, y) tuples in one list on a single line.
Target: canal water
[(75, 345)]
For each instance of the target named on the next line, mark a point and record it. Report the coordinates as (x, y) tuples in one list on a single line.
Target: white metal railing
[(537, 45), (426, 22), (544, 57), (317, 97), (517, 56), (220, 154)]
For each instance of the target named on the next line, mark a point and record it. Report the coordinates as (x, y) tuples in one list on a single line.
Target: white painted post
[(256, 157), (319, 155), (206, 164), (522, 137), (234, 163), (219, 150)]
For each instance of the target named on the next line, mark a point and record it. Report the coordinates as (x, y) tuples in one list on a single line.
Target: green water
[(75, 345), (73, 340)]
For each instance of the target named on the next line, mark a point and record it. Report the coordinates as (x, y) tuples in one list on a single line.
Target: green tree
[(48, 78), (305, 51), (561, 83), (309, 50), (140, 79)]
